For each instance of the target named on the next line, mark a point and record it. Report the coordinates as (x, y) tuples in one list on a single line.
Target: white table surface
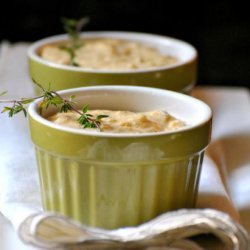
[(229, 104)]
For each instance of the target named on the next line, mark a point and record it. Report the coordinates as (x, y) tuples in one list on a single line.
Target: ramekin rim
[(37, 44), (33, 113)]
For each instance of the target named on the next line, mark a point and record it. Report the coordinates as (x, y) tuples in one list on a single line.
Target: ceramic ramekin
[(180, 77), (114, 180)]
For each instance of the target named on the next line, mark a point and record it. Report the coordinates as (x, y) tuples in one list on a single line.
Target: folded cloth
[(169, 229)]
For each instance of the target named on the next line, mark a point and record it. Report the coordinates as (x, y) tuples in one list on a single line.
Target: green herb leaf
[(75, 64), (88, 125), (72, 98), (3, 93), (65, 107), (85, 109), (5, 109), (82, 119), (99, 117), (27, 100)]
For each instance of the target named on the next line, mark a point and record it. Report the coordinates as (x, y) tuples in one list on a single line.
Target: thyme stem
[(21, 100)]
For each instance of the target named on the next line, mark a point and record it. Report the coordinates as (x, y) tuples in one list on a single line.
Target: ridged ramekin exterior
[(117, 194)]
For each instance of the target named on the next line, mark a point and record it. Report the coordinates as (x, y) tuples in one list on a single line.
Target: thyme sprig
[(52, 98), (73, 27)]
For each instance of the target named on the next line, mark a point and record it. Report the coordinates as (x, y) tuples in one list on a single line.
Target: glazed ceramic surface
[(180, 77), (114, 180)]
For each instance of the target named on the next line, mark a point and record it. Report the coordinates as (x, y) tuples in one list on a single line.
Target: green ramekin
[(180, 77), (114, 180)]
